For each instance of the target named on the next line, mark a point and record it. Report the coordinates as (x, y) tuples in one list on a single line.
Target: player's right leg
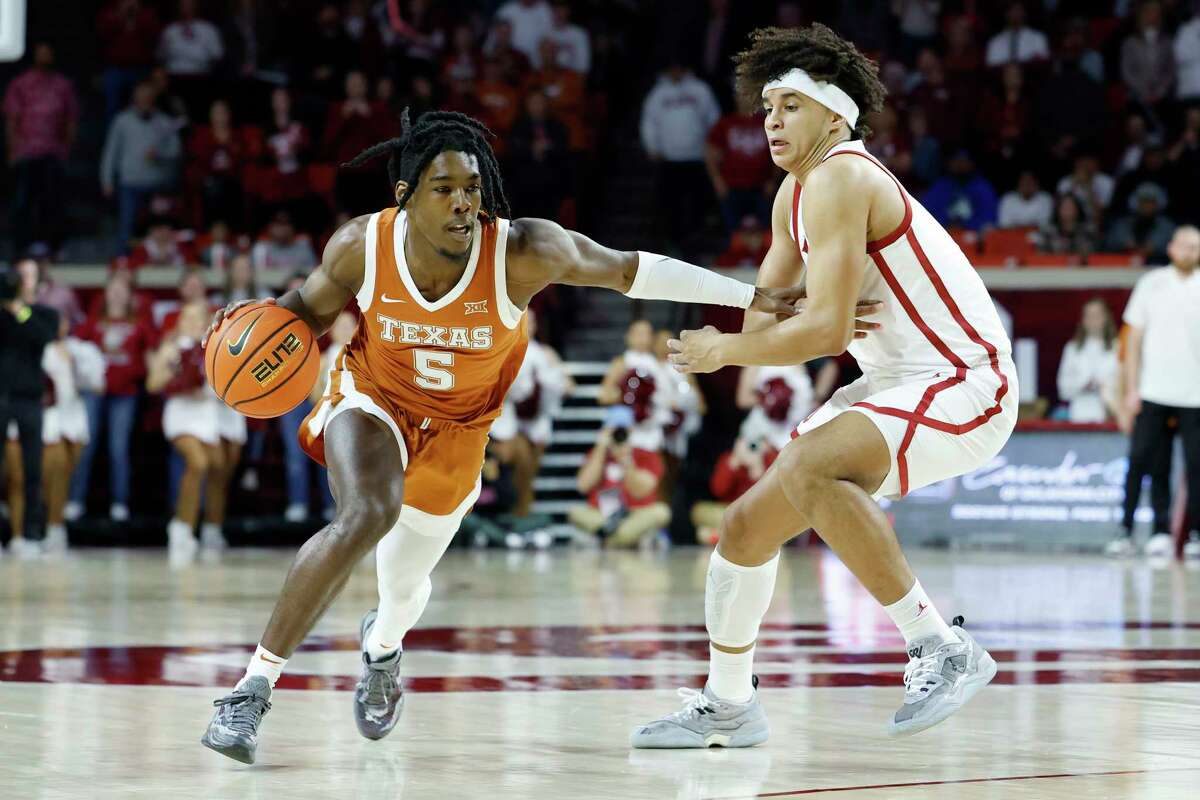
[(366, 471)]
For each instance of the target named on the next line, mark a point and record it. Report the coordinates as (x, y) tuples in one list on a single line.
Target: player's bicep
[(835, 223), (330, 287), (783, 265), (543, 252)]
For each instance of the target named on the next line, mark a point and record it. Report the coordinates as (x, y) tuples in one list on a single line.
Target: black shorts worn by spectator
[(24, 333)]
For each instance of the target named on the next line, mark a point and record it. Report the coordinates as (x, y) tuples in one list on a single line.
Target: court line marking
[(914, 784)]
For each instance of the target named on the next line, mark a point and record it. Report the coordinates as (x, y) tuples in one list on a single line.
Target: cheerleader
[(191, 422)]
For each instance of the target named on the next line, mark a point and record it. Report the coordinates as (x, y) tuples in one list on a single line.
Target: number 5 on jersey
[(428, 364)]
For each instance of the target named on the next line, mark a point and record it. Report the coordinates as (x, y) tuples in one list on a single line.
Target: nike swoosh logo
[(269, 660), (235, 346), (387, 299)]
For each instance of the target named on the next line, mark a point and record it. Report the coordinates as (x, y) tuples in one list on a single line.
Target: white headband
[(824, 93)]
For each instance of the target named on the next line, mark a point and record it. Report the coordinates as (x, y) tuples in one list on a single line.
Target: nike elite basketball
[(262, 361)]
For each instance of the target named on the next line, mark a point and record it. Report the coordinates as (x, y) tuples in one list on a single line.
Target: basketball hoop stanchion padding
[(12, 30)]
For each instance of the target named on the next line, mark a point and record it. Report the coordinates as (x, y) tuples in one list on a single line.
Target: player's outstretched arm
[(328, 288), (541, 252), (835, 222)]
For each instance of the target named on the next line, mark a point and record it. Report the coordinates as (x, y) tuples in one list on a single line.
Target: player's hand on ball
[(221, 314), (696, 351)]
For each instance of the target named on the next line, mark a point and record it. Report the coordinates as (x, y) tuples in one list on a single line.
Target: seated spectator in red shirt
[(283, 247), (353, 125), (162, 246), (621, 484), (285, 152), (127, 33), (748, 245), (462, 63), (500, 101), (217, 154), (736, 471), (740, 168)]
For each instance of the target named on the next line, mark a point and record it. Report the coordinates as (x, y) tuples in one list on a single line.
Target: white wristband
[(665, 278)]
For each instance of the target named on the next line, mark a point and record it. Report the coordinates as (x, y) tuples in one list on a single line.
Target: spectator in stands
[(1004, 122), (537, 153), (572, 46), (501, 102), (361, 28), (963, 57), (168, 100), (740, 168), (140, 157), (190, 424), (421, 36), (1089, 364), (1162, 376), (748, 246), (218, 153), (1147, 60), (736, 471), (676, 116), (1027, 206), (328, 53), (565, 91), (687, 409), (241, 281), (1070, 107), (1153, 169), (41, 119), (941, 102), (192, 289), (352, 126), (1136, 138), (60, 297), (74, 367), (1146, 230), (889, 143), (926, 150), (963, 198), (1187, 58), (1091, 188), (1017, 42), (531, 21), (621, 484), (464, 61), (489, 518), (162, 246), (124, 338), (499, 47), (522, 431), (1184, 160), (287, 145), (777, 399), (127, 31), (221, 246), (191, 49), (283, 248), (918, 22), (1070, 231)]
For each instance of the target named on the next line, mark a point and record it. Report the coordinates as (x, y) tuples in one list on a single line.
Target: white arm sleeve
[(665, 278)]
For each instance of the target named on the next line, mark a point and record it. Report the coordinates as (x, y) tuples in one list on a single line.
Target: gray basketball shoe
[(706, 721), (378, 698), (940, 679), (233, 731)]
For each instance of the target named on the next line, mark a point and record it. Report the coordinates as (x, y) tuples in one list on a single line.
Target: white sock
[(266, 664), (736, 598), (916, 617), (729, 674)]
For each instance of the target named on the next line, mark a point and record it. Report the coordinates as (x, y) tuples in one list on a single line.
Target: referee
[(1163, 380)]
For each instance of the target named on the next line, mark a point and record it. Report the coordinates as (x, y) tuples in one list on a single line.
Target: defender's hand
[(866, 308), (222, 314), (696, 351), (781, 302)]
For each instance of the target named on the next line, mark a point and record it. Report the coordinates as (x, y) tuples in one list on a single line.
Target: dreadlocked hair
[(436, 132), (818, 51)]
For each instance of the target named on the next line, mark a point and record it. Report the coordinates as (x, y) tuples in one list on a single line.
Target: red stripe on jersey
[(796, 213), (905, 225)]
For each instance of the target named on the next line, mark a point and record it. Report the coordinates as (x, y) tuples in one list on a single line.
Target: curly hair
[(433, 133), (818, 51)]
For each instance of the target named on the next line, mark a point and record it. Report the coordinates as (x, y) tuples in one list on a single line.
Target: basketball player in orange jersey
[(442, 281), (938, 396)]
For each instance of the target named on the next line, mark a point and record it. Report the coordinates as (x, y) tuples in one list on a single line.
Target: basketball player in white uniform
[(938, 396)]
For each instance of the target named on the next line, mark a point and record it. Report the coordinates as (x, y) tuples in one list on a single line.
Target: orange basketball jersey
[(450, 359), (435, 371)]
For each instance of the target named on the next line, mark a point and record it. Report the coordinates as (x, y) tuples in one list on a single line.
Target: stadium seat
[(967, 240), (1052, 260), (1007, 245), (1113, 260)]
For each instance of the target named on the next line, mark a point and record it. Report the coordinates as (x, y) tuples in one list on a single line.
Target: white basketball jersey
[(937, 312)]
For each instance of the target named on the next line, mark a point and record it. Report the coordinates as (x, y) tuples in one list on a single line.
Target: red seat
[(1113, 260), (1007, 244), (1052, 260), (967, 241)]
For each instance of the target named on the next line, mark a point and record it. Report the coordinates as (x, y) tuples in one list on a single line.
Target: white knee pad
[(736, 598)]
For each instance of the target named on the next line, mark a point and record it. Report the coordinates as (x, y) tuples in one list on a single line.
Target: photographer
[(25, 330), (621, 483)]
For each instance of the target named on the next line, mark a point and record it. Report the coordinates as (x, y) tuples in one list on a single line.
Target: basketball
[(262, 361)]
